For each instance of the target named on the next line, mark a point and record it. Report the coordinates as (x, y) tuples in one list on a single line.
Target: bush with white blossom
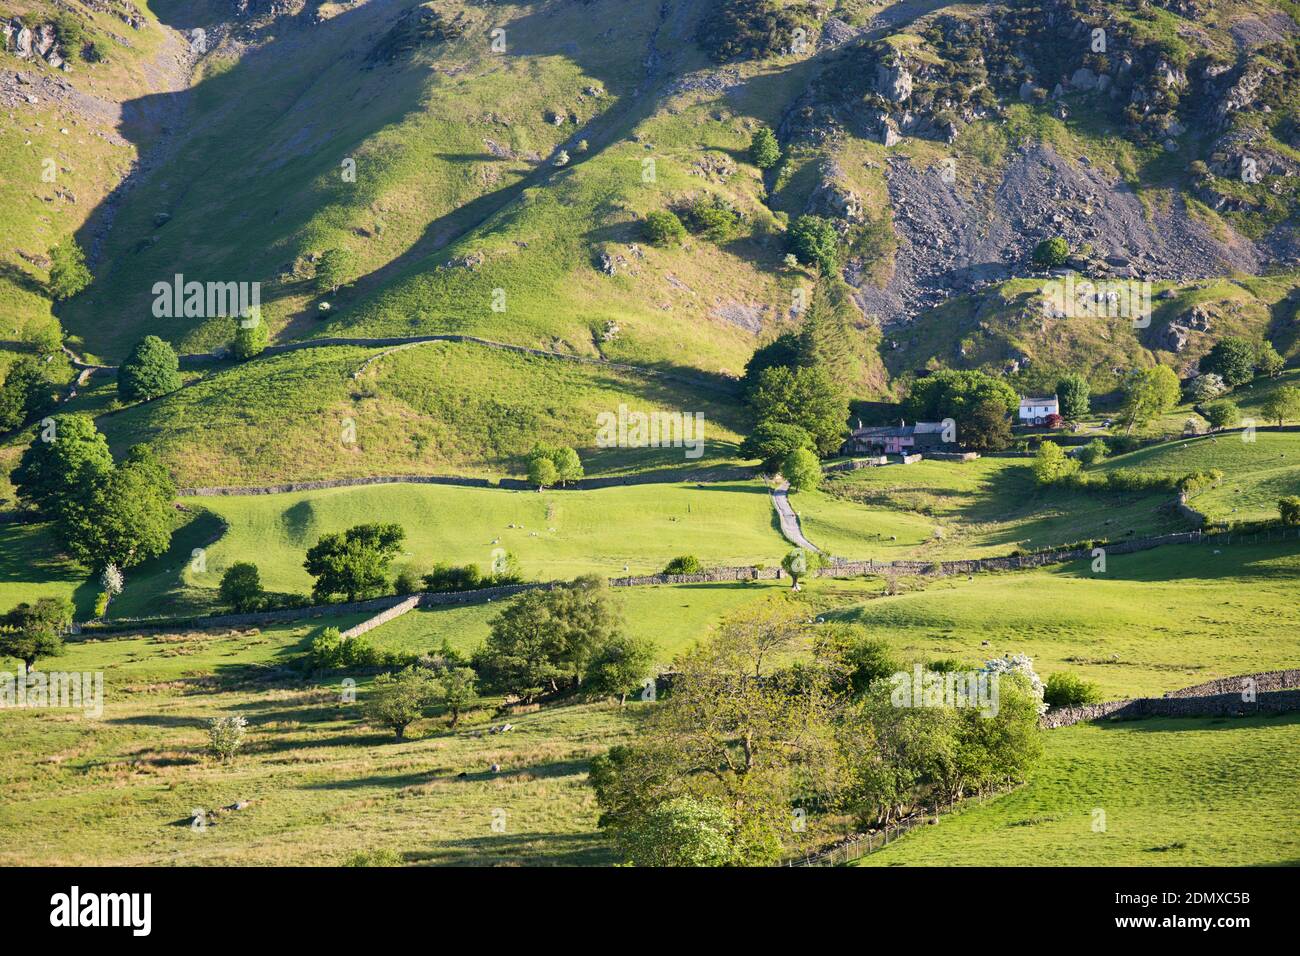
[(1019, 664), (226, 736)]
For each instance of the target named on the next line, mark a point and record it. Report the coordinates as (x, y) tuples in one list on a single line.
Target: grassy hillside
[(457, 192), (441, 408), (990, 506), (1256, 472), (1154, 621), (556, 535), (1175, 792), (65, 142), (322, 785)]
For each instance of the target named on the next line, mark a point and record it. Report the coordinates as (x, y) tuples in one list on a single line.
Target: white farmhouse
[(1034, 411)]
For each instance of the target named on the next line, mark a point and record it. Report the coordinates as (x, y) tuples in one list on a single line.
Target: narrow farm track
[(790, 526)]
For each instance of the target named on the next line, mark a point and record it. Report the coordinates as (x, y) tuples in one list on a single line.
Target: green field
[(557, 534), (1155, 621), (1174, 792), (672, 617), (990, 506), (323, 785), (119, 790), (31, 566), (1258, 469)]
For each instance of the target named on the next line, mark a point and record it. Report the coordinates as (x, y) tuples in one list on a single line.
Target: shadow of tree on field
[(513, 849)]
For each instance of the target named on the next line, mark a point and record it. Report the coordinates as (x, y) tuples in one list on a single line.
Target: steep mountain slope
[(73, 125), (484, 169)]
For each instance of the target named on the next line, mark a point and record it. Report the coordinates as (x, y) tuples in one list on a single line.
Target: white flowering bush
[(1019, 664), (226, 736), (111, 580)]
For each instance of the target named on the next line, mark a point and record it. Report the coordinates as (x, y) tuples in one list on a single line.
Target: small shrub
[(1093, 452), (1064, 689), (684, 564), (330, 650), (250, 340), (226, 736), (663, 228), (150, 371), (241, 587), (1289, 510), (1052, 252), (1222, 414), (814, 242), (764, 150), (408, 581), (713, 218), (398, 700)]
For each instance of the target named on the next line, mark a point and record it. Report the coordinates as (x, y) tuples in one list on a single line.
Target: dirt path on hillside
[(790, 527)]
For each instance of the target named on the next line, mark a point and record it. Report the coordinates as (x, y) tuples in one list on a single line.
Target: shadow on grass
[(396, 781), (535, 849), (1164, 725)]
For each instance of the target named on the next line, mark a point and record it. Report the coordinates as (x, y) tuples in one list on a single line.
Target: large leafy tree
[(828, 338), (764, 150), (802, 469), (355, 562), (456, 689), (398, 700), (32, 631), (565, 465), (1233, 358), (805, 397), (337, 267), (785, 349), (1148, 394), (772, 442), (1074, 394), (547, 640), (241, 587), (618, 667), (1282, 405), (987, 427), (683, 831), (250, 340), (1052, 464), (956, 394), (125, 516), (814, 242), (66, 456), (1268, 361), (68, 272), (151, 370), (736, 730), (25, 394), (1221, 415)]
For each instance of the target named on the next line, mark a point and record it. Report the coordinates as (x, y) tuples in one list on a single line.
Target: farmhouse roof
[(901, 430)]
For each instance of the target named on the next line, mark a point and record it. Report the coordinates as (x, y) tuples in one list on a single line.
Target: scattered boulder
[(893, 82)]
